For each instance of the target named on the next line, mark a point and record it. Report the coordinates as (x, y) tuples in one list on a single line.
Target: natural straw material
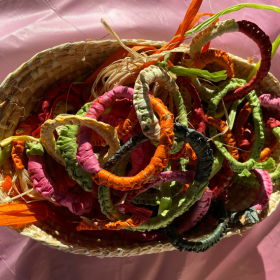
[(21, 91)]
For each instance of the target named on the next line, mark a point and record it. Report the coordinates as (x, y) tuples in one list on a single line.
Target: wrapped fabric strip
[(17, 153), (44, 185), (141, 100), (183, 202), (5, 154), (163, 177), (265, 191), (195, 214), (106, 131), (85, 156), (212, 55), (198, 118), (203, 244), (270, 101), (157, 163), (252, 31), (259, 129)]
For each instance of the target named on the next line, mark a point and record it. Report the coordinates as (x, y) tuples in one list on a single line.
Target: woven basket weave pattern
[(47, 69)]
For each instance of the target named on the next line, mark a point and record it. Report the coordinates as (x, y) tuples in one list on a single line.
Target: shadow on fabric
[(237, 257)]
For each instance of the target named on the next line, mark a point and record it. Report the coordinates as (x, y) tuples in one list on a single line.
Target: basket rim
[(127, 42)]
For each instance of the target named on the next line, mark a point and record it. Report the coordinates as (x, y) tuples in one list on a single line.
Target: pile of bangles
[(150, 149)]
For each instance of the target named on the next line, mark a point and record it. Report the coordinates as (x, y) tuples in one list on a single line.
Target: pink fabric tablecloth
[(28, 27)]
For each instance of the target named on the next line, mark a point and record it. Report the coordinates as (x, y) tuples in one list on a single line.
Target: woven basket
[(21, 91)]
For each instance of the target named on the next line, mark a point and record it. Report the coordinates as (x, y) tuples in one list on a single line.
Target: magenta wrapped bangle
[(196, 213), (85, 156), (185, 177), (44, 185)]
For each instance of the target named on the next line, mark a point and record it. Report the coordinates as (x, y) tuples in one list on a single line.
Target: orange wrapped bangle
[(100, 225), (157, 163), (186, 151), (17, 153), (240, 122), (124, 128), (227, 136), (213, 55), (267, 152)]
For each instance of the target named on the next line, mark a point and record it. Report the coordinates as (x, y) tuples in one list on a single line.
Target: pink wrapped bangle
[(44, 185), (195, 213), (270, 101), (85, 156), (185, 177)]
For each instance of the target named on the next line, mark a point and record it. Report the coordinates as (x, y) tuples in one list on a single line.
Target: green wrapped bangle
[(203, 244), (67, 146), (183, 202), (259, 129)]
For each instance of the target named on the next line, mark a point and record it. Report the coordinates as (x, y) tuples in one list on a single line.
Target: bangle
[(259, 127), (198, 118), (67, 147), (182, 202), (194, 192), (203, 244), (85, 156), (157, 163), (201, 59), (265, 191), (17, 154), (141, 100), (44, 185), (252, 31), (105, 130)]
